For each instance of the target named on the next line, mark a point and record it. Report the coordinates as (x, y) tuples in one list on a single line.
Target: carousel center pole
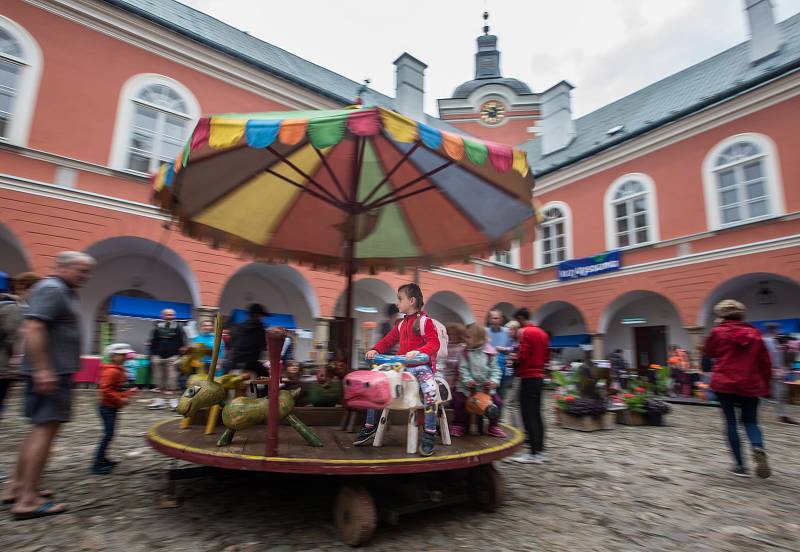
[(348, 308), (275, 340)]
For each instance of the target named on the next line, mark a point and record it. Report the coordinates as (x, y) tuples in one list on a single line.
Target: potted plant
[(634, 413), (655, 410), (582, 413), (642, 408)]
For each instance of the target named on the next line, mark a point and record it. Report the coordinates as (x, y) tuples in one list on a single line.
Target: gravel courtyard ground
[(634, 488)]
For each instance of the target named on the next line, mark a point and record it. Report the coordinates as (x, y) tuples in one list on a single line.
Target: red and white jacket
[(425, 341)]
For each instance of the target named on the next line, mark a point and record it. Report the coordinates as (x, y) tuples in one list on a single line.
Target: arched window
[(742, 181), (554, 243), (155, 117), (631, 216), (20, 69)]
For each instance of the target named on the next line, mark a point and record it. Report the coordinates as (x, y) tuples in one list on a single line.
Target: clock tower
[(491, 106)]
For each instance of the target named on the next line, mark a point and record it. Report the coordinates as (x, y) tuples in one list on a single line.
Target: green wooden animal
[(244, 412)]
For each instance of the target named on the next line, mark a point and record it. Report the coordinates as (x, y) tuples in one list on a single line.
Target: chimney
[(409, 86), (556, 125), (765, 38)]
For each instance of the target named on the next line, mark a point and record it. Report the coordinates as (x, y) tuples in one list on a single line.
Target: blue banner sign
[(589, 266)]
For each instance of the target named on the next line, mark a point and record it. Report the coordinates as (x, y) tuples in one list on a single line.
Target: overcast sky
[(606, 48)]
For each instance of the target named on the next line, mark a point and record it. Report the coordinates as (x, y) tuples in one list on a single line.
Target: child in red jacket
[(113, 396), (414, 337)]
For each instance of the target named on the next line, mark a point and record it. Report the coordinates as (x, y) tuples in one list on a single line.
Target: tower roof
[(487, 67)]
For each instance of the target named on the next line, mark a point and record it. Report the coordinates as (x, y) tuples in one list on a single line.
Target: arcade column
[(598, 346), (204, 312), (696, 337)]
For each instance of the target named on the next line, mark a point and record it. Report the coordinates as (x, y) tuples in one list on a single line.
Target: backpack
[(6, 310), (441, 333)]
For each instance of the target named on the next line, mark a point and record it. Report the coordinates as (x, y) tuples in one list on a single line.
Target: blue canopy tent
[(787, 325), (564, 341), (138, 307), (272, 320)]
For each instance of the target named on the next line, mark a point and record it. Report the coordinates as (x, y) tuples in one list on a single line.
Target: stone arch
[(280, 289), (767, 296), (560, 318), (448, 307), (642, 324), (134, 263), (506, 308), (13, 257), (370, 298)]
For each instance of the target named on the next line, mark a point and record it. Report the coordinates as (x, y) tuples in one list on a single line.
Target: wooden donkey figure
[(241, 412), (206, 393)]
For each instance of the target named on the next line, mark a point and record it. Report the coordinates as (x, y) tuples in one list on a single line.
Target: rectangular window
[(9, 74), (157, 137), (730, 214)]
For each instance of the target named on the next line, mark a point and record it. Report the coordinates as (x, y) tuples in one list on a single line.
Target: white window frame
[(538, 252), (513, 253), (27, 90), (610, 216), (121, 140), (772, 174)]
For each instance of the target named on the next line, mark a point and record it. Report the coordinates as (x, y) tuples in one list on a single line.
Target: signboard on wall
[(589, 266)]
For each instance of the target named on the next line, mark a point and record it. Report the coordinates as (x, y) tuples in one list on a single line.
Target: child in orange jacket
[(113, 396)]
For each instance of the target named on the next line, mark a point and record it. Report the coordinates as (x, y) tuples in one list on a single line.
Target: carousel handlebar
[(421, 358)]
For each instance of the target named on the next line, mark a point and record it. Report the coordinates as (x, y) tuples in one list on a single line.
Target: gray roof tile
[(216, 34), (677, 95), (221, 36)]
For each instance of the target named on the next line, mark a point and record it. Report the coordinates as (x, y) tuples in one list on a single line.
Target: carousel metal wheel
[(488, 488), (355, 514)]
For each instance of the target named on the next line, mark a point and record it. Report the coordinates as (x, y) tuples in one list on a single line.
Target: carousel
[(362, 189)]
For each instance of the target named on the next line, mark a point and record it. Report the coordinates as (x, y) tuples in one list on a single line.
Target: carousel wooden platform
[(337, 457)]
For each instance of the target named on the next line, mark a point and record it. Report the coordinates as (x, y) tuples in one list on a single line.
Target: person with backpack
[(12, 310), (416, 334), (478, 372)]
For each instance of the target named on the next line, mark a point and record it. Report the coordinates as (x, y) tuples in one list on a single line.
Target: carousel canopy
[(301, 185)]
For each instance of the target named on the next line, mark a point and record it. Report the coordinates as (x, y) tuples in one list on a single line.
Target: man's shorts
[(56, 407)]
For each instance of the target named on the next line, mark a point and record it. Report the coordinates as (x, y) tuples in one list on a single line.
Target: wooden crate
[(588, 423), (626, 417)]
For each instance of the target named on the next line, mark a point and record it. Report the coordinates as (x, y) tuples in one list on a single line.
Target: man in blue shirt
[(500, 340), (206, 338)]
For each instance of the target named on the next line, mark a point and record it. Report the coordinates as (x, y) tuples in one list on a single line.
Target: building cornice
[(134, 30), (661, 264), (749, 102), (91, 199), (72, 163)]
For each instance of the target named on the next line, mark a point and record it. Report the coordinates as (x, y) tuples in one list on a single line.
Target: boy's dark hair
[(523, 313), (391, 309)]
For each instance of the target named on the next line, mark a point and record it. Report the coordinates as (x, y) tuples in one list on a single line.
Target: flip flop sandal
[(42, 494), (44, 510)]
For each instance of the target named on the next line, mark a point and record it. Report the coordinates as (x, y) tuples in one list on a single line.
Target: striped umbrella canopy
[(359, 188)]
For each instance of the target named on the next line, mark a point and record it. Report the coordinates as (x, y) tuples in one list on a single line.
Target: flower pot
[(628, 417), (655, 418), (608, 420), (581, 423)]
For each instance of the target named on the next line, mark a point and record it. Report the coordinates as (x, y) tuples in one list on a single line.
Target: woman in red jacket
[(413, 338), (742, 373)]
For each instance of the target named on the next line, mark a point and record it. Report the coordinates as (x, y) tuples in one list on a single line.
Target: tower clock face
[(492, 112)]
